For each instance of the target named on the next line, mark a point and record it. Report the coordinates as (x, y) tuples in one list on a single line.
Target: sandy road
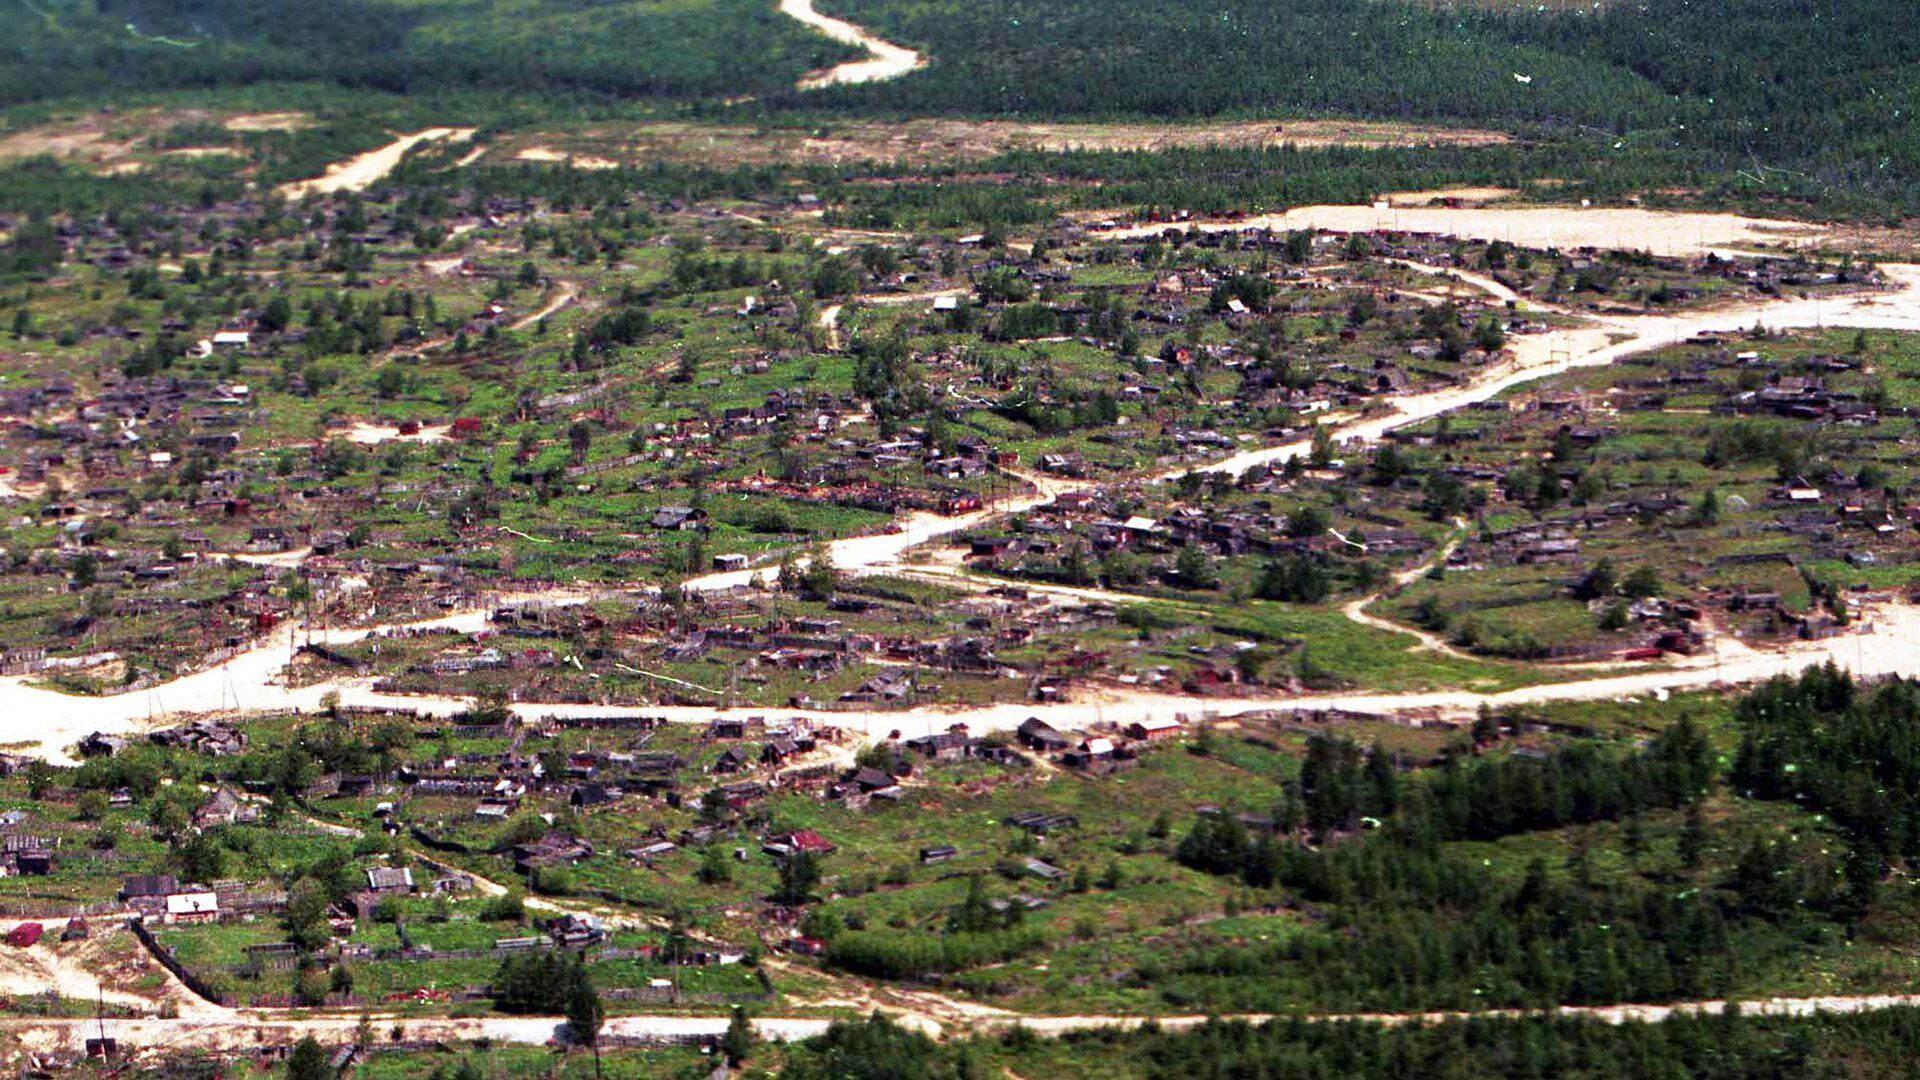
[(566, 294), (249, 1029), (53, 721), (885, 59), (358, 173), (1602, 341), (1479, 281)]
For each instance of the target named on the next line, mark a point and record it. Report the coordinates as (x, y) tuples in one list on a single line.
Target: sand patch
[(1660, 232), (87, 142), (271, 121), (885, 60), (547, 155), (1449, 196)]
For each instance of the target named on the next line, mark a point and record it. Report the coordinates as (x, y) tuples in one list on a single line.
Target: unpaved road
[(1604, 340), (1423, 639), (247, 1030), (566, 294), (885, 59), (101, 968), (829, 317), (358, 173), (1479, 281)]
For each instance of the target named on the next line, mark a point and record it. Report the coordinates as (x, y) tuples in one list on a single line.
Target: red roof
[(809, 841)]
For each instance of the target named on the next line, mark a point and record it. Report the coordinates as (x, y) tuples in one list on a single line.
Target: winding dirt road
[(885, 60), (359, 173), (565, 295)]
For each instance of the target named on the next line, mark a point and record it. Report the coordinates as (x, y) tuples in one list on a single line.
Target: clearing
[(1658, 232), (939, 141)]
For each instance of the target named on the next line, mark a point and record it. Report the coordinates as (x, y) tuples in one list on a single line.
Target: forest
[(1825, 90), (1411, 921), (1826, 743), (1726, 1045), (610, 50)]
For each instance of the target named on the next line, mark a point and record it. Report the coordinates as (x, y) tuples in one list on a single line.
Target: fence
[(30, 908), (165, 956)]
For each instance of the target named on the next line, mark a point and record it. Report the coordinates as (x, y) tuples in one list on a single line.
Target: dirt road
[(565, 295), (359, 173), (247, 1030), (885, 60)]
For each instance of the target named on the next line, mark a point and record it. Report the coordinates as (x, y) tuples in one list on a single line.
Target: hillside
[(1813, 97), (1827, 88), (682, 49)]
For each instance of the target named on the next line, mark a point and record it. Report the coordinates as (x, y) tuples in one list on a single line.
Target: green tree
[(1693, 837), (1195, 569), (737, 1044), (308, 1062), (91, 806), (1642, 582), (305, 918), (820, 579), (585, 1012), (714, 867), (799, 873)]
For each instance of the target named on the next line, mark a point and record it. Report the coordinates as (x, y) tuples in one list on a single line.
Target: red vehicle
[(25, 935)]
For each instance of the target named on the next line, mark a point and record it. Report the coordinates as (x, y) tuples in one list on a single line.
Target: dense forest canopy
[(1828, 87), (1806, 93), (620, 50)]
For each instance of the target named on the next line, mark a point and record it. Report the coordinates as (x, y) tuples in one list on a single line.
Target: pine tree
[(308, 1062), (585, 1013), (1693, 837), (737, 1044)]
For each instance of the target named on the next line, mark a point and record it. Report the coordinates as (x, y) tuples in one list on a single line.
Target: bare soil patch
[(580, 161), (271, 121), (936, 141), (86, 141)]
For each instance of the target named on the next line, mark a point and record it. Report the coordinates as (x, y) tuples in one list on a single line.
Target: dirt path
[(567, 293), (248, 1029), (101, 968), (1479, 281), (885, 59), (358, 173), (830, 322), (829, 318), (1357, 609)]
